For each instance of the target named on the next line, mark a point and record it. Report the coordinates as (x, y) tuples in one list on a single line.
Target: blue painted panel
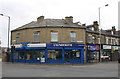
[(71, 48), (35, 47), (54, 47), (15, 60), (82, 55), (55, 61), (64, 45), (22, 61)]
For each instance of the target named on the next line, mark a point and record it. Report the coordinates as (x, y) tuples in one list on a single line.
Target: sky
[(22, 12)]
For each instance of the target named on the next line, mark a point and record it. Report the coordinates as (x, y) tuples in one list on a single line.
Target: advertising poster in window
[(42, 59), (77, 54)]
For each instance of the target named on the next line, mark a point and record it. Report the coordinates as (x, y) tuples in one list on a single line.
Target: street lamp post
[(8, 30), (99, 10)]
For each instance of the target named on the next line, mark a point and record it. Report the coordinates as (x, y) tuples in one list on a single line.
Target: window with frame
[(54, 36), (106, 40), (99, 40), (36, 36), (93, 39), (72, 36), (117, 41), (89, 38), (18, 38), (54, 54)]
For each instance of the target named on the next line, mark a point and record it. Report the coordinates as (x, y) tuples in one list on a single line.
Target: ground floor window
[(21, 55), (37, 55), (72, 54), (93, 56), (54, 54), (15, 55)]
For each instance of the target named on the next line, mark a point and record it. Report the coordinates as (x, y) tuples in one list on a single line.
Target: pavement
[(105, 69)]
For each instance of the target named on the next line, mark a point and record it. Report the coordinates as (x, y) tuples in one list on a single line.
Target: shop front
[(65, 53), (48, 53), (93, 53), (114, 53), (106, 54)]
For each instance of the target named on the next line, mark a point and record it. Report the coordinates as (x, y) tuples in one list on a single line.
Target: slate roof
[(103, 32), (49, 23)]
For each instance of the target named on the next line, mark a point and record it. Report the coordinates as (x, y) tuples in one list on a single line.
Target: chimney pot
[(69, 19), (41, 18)]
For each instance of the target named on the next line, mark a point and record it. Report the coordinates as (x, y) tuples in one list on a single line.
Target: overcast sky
[(85, 11)]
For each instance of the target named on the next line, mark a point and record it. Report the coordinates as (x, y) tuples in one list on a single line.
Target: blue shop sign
[(64, 45)]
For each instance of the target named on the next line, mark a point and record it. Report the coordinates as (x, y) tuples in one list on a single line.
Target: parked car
[(105, 58)]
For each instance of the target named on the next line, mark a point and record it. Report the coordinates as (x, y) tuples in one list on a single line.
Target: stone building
[(63, 41), (54, 40)]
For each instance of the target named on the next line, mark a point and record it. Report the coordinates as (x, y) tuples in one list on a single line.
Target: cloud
[(85, 11)]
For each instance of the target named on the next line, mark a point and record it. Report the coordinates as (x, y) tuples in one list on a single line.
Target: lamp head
[(106, 5), (1, 14)]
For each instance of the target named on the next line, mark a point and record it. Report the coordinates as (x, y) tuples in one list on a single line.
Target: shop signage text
[(62, 45), (106, 47)]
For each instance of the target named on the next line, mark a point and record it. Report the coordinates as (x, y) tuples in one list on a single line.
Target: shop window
[(73, 36), (72, 54), (36, 37), (37, 55), (93, 55), (54, 36), (54, 54), (29, 56), (15, 55), (18, 38), (21, 55)]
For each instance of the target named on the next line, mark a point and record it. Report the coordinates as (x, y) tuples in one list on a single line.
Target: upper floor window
[(114, 41), (54, 36), (89, 38), (36, 36), (117, 41), (17, 37), (93, 39), (73, 36), (99, 40), (106, 40)]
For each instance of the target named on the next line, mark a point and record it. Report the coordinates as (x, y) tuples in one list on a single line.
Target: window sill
[(35, 42), (73, 42), (54, 42)]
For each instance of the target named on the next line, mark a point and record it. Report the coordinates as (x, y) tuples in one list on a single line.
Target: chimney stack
[(113, 29), (69, 19), (83, 24), (41, 18), (96, 26)]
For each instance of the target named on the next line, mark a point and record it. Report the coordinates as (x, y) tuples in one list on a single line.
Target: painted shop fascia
[(70, 53)]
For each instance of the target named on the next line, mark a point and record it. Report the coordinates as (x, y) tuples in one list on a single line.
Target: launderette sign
[(63, 45)]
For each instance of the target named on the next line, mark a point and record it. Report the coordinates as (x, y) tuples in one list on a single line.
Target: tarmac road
[(108, 69)]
